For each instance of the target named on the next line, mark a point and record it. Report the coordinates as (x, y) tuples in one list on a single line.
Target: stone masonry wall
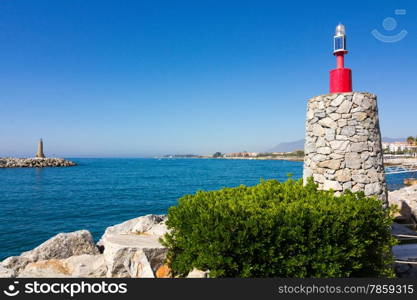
[(343, 144)]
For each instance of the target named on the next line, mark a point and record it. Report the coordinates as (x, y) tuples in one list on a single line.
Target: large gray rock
[(149, 224), (49, 255), (132, 248), (63, 245), (136, 262), (81, 266)]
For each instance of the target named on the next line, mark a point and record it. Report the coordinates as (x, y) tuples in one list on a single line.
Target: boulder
[(150, 224), (63, 245), (129, 262), (46, 259), (132, 248), (81, 266)]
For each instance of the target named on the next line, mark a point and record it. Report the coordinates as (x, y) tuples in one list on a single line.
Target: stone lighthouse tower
[(39, 153), (343, 142)]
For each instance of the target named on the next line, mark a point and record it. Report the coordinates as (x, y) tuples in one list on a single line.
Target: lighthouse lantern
[(341, 77), (339, 39)]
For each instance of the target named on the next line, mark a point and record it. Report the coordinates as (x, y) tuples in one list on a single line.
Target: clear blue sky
[(139, 78)]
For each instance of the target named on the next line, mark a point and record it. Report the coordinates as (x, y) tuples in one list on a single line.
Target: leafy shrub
[(279, 230)]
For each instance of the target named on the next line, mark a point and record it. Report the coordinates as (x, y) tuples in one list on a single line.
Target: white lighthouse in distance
[(39, 153)]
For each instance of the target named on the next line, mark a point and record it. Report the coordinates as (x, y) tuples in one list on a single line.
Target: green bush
[(279, 230)]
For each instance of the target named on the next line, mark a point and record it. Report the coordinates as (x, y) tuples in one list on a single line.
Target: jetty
[(39, 161)]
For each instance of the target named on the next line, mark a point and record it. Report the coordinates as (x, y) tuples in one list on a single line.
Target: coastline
[(289, 158), (387, 161)]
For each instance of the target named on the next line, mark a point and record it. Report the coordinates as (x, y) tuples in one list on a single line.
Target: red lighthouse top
[(341, 77)]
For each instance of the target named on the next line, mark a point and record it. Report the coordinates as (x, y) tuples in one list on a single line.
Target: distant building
[(398, 146), (241, 154)]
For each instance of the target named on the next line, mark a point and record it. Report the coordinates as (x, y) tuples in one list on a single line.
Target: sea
[(37, 203)]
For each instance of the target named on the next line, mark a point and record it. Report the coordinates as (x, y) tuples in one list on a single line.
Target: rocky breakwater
[(34, 162), (130, 249), (343, 144)]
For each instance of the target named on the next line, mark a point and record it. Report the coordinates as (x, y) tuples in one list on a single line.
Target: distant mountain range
[(299, 145), (392, 140), (288, 146)]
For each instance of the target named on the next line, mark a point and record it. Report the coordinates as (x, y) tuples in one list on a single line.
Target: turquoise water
[(39, 203)]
